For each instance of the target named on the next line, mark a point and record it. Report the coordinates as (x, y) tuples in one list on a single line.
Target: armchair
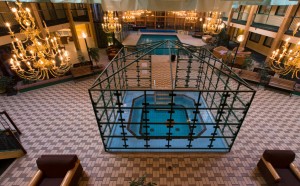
[(55, 170), (220, 51), (277, 168)]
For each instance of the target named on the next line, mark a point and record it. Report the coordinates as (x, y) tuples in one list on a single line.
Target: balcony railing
[(292, 26)]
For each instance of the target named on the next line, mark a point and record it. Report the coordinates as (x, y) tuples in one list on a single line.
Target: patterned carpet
[(59, 120)]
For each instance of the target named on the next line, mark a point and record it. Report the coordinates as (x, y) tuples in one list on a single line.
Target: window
[(264, 9), (254, 37), (281, 10), (268, 42)]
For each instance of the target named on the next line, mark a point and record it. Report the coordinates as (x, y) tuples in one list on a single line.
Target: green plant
[(94, 53), (141, 182), (80, 57), (248, 63)]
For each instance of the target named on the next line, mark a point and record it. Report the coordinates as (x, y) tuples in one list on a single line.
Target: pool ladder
[(162, 97)]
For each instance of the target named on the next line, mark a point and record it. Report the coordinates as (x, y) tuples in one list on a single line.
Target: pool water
[(164, 49), (158, 119), (158, 116)]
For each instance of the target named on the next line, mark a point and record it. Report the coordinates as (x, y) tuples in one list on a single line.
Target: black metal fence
[(203, 111)]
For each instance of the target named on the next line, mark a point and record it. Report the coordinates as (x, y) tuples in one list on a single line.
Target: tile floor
[(59, 120)]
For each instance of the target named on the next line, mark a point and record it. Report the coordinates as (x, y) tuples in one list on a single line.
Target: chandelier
[(213, 23), (179, 13), (111, 23), (35, 57), (286, 61), (191, 17), (128, 16)]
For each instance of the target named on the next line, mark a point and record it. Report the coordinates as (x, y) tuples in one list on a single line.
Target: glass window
[(254, 37), (268, 41), (264, 9), (281, 10)]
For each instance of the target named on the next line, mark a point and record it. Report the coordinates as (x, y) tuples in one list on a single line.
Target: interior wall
[(259, 47)]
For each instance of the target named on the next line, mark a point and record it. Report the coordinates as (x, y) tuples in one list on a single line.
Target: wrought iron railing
[(9, 134)]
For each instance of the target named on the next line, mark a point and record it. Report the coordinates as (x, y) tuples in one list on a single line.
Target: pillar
[(250, 19), (72, 26), (230, 15), (288, 18), (92, 25)]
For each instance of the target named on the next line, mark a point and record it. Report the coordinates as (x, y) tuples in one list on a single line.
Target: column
[(36, 15), (72, 26), (92, 25), (288, 18), (250, 19), (230, 15)]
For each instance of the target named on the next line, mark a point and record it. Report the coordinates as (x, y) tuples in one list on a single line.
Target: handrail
[(3, 121)]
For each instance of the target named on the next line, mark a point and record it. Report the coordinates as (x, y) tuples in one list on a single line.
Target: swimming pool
[(156, 122), (165, 48)]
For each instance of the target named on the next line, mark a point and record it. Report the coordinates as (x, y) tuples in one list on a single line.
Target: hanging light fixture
[(213, 23), (111, 23), (191, 17), (179, 13), (128, 16), (36, 57), (287, 61)]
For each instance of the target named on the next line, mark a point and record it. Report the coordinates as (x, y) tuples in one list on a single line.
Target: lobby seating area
[(277, 168), (54, 170)]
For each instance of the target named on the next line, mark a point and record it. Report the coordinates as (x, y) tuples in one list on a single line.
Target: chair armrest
[(271, 169), (70, 174), (295, 170), (36, 178)]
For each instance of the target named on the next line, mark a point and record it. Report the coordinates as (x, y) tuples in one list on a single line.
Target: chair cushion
[(56, 166), (287, 177), (51, 181), (279, 158)]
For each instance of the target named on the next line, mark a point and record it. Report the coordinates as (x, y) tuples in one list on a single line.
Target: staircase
[(10, 145)]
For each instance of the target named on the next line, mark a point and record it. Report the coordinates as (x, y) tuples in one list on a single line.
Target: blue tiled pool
[(158, 132), (159, 115), (164, 49)]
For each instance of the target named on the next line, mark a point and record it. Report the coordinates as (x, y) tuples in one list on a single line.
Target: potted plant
[(95, 56), (141, 182)]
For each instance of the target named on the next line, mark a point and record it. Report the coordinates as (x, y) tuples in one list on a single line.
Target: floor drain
[(177, 129), (151, 130)]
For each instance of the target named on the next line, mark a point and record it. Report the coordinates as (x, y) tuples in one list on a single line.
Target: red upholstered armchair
[(55, 170), (277, 168)]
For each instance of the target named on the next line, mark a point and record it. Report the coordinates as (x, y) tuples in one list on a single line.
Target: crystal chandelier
[(191, 17), (111, 23), (286, 61), (35, 57), (179, 13), (213, 23), (128, 16)]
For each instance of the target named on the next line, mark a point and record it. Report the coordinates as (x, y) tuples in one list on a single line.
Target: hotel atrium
[(165, 92)]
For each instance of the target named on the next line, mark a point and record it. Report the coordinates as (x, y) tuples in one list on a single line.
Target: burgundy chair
[(277, 168), (55, 170)]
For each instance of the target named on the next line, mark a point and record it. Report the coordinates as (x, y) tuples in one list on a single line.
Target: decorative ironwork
[(209, 121), (111, 23), (35, 57), (287, 61)]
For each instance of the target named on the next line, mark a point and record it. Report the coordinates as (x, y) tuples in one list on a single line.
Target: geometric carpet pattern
[(59, 119)]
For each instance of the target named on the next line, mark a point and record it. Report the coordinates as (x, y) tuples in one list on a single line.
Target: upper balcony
[(53, 15)]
